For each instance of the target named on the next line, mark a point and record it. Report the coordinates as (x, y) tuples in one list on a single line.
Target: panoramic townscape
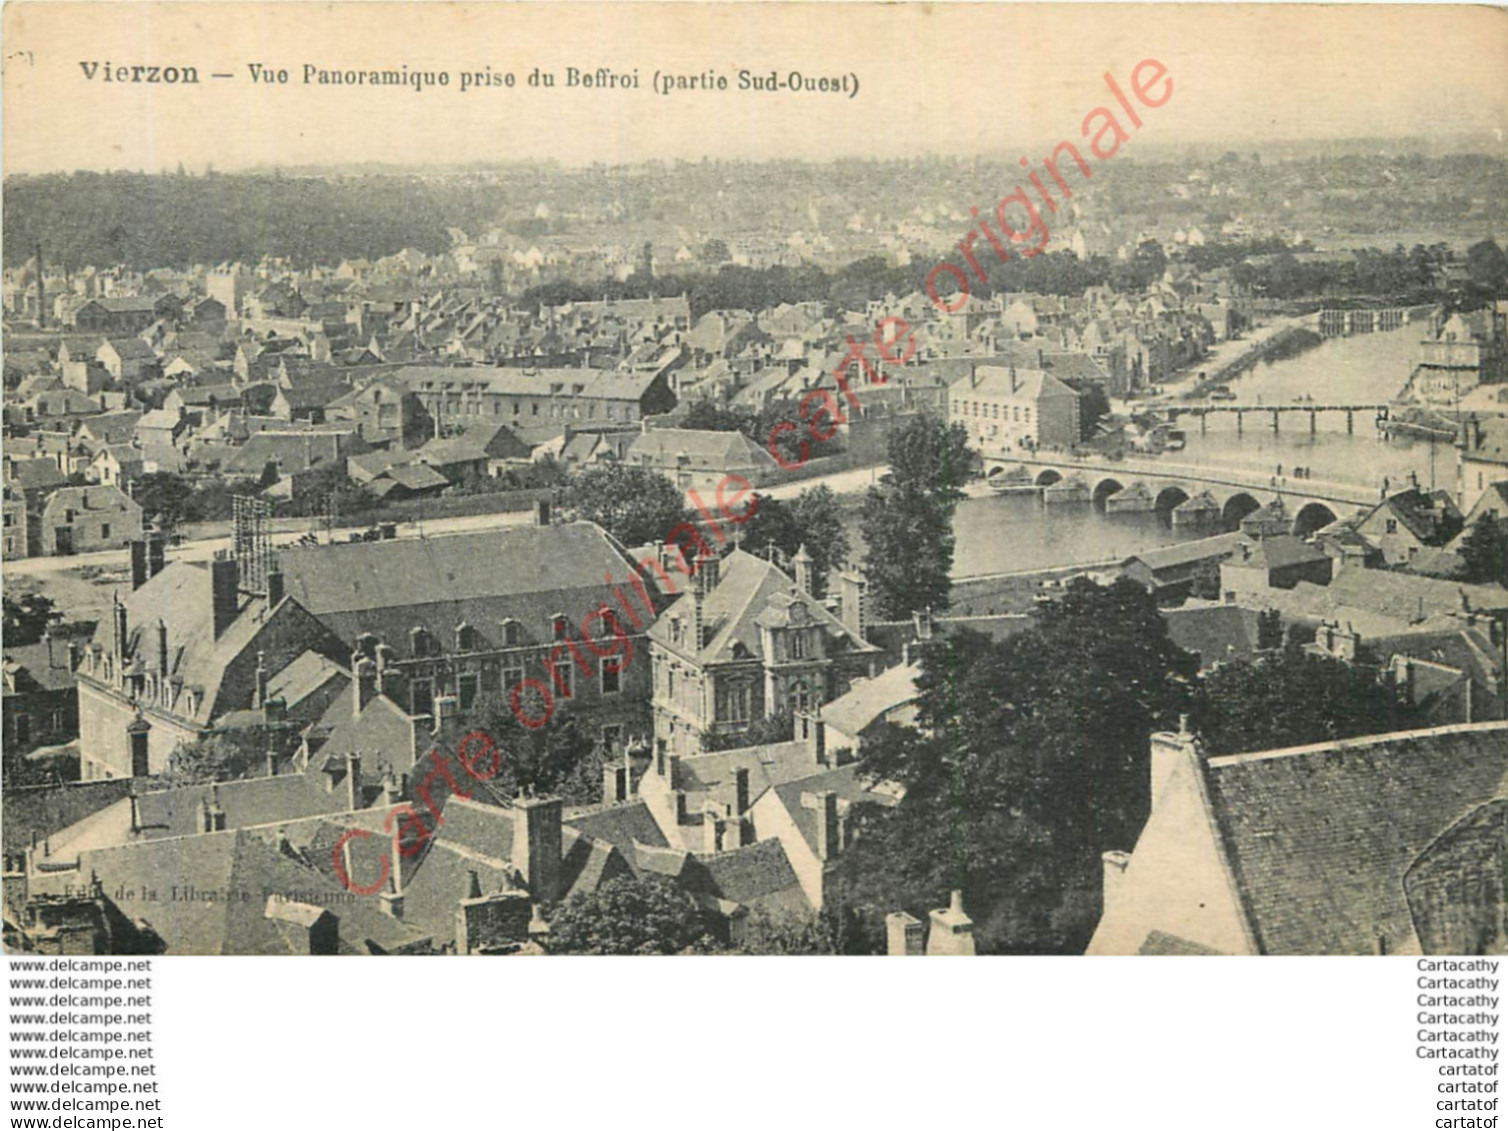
[(761, 557)]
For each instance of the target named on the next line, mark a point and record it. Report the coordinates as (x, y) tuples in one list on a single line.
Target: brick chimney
[(741, 790), (615, 781), (121, 628), (138, 563), (903, 934), (225, 598), (952, 930), (537, 845), (1115, 865), (851, 600), (156, 554), (355, 798), (164, 659), (825, 805), (363, 684)]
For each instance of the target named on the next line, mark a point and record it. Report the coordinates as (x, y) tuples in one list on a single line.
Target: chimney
[(803, 563), (1168, 750), (52, 661), (537, 845), (363, 684), (156, 557), (225, 599), (903, 934), (694, 627), (354, 795), (1115, 864), (851, 601), (164, 662), (261, 677), (121, 626), (952, 930), (391, 794), (825, 804), (447, 707), (741, 791), (921, 620), (814, 730), (272, 759), (473, 885), (275, 586), (615, 781), (138, 564)]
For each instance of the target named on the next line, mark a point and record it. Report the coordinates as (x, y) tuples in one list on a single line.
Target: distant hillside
[(151, 221)]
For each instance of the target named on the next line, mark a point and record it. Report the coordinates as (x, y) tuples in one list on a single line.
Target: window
[(564, 679), (421, 643), (513, 634), (466, 638), (68, 516), (611, 737), (560, 625), (466, 685), (1392, 526), (670, 682), (798, 645), (104, 530), (611, 675), (23, 729), (422, 694), (512, 677)]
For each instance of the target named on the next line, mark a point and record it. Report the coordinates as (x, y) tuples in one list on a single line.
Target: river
[(1001, 533)]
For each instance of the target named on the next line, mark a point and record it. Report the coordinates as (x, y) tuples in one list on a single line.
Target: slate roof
[(747, 588), (241, 869), (1214, 633), (38, 665), (866, 700), (527, 573), (718, 451), (997, 381), (846, 781), (52, 809), (1319, 837), (758, 876), (1187, 553)]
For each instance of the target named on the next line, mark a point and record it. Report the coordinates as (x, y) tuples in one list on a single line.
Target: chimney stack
[(447, 707), (121, 627), (851, 600), (537, 845), (275, 586), (138, 564), (803, 564), (903, 934), (225, 596), (952, 930), (615, 781), (164, 660), (741, 791), (261, 679), (156, 555), (825, 804), (363, 684), (1115, 865), (354, 794)]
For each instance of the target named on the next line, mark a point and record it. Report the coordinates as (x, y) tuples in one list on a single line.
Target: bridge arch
[(1103, 490), (1311, 517), (1048, 477), (1169, 498), (1237, 507)]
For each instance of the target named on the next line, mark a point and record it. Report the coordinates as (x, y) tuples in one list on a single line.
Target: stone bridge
[(1164, 487)]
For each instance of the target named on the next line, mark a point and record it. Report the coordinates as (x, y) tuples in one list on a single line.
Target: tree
[(836, 929), (715, 253), (768, 731), (633, 504), (813, 519), (1485, 551), (558, 758), (1487, 268), (163, 494), (1031, 760), (708, 416), (1293, 699), (26, 618), (907, 521), (227, 755), (627, 915)]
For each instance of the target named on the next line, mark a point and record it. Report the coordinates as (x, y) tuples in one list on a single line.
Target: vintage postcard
[(794, 478)]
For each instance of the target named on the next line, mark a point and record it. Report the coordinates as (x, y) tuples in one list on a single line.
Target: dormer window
[(513, 634), (465, 638), (560, 625), (421, 642)]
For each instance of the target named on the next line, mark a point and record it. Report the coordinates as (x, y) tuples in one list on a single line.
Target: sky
[(960, 79)]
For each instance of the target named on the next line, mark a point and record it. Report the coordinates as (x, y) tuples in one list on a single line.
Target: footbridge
[(1159, 485)]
